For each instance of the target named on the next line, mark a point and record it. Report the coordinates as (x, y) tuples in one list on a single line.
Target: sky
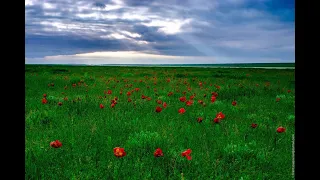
[(159, 31)]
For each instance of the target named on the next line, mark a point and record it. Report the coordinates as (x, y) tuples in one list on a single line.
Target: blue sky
[(159, 31)]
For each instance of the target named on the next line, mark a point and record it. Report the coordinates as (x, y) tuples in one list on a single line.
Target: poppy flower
[(112, 105), (278, 99), (182, 99), (143, 96), (101, 106), (159, 101), (214, 94), (168, 80), (170, 93), (220, 115), (65, 98), (200, 83), (182, 110), (44, 95), (129, 93), (164, 104), (60, 103), (213, 99), (149, 98), (137, 89), (158, 153), (189, 103), (216, 120), (120, 92), (109, 92), (129, 100), (200, 101), (56, 144), (186, 154), (289, 90), (191, 97), (254, 125), (234, 103), (44, 101), (281, 129), (113, 101), (119, 152), (200, 119), (158, 109)]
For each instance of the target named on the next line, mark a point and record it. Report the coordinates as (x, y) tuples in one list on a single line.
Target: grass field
[(229, 149)]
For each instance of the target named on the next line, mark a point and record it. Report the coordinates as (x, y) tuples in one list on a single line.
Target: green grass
[(228, 150)]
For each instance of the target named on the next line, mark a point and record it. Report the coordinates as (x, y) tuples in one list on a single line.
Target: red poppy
[(113, 101), (101, 106), (143, 96), (168, 80), (56, 144), (44, 95), (281, 129), (200, 83), (119, 152), (192, 97), (182, 99), (214, 94), (182, 110), (164, 104), (112, 105), (44, 101), (60, 103), (158, 153), (216, 120), (129, 93), (120, 92), (234, 103), (200, 101), (159, 101), (137, 89), (65, 98), (109, 92), (149, 98), (170, 93), (254, 125), (158, 109), (129, 100), (213, 99), (289, 90), (220, 115), (200, 119), (189, 103), (278, 99), (187, 153)]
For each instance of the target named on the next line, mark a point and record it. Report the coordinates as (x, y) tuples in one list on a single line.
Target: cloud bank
[(186, 31)]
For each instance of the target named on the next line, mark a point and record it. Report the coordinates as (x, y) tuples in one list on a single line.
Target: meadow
[(93, 109)]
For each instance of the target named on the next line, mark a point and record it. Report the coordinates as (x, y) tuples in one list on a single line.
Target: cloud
[(238, 29)]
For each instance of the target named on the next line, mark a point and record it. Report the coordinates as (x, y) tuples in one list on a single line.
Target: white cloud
[(133, 35), (48, 6), (168, 26)]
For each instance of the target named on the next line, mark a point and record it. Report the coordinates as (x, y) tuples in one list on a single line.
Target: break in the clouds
[(159, 31)]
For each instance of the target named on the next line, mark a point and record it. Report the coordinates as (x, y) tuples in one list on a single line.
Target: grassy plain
[(231, 149)]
